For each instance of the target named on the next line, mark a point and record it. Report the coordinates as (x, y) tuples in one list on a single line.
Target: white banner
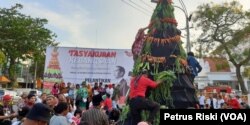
[(75, 65)]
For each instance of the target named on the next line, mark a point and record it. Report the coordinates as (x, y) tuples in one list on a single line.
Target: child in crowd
[(77, 116)]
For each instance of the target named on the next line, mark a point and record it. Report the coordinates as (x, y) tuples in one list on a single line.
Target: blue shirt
[(196, 68)]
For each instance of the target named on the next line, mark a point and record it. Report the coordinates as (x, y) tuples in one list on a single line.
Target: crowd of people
[(84, 104), (221, 101), (66, 105)]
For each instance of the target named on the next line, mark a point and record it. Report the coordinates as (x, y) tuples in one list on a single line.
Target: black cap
[(39, 112)]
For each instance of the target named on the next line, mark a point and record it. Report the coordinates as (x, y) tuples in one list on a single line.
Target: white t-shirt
[(110, 91), (215, 103), (16, 123), (96, 92), (208, 101), (202, 100), (69, 117), (38, 100), (58, 120), (220, 102)]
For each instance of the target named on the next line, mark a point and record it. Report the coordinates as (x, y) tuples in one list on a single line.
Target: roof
[(217, 64), (3, 79)]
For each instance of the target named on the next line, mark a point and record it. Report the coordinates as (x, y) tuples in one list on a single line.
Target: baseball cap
[(7, 98)]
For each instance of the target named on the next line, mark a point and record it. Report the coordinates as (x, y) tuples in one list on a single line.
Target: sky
[(110, 24)]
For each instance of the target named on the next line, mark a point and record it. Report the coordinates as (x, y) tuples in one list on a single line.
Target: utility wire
[(146, 4), (183, 6), (139, 6), (135, 7)]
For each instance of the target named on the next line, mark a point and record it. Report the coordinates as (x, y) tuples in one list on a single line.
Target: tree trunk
[(237, 66), (12, 72), (241, 81)]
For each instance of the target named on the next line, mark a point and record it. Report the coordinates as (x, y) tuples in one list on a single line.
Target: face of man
[(32, 100), (118, 73), (62, 85), (65, 112), (61, 98), (43, 96), (50, 101), (77, 86), (69, 84)]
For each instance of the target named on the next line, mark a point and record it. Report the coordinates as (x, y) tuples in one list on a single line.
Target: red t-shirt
[(108, 103), (142, 85), (234, 104)]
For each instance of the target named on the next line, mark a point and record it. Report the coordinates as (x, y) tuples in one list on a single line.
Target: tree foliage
[(225, 30), (22, 36), (246, 72), (2, 59)]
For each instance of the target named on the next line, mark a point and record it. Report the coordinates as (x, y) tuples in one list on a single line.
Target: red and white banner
[(75, 65)]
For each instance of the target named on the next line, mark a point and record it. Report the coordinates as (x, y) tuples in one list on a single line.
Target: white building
[(218, 71)]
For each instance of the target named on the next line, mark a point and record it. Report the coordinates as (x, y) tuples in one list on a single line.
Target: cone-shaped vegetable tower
[(160, 51), (53, 73)]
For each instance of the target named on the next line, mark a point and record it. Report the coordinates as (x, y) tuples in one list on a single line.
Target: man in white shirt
[(202, 101), (110, 90), (220, 102), (212, 102)]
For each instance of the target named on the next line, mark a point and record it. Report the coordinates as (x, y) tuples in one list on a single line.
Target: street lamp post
[(188, 36), (188, 18), (27, 68), (26, 63), (34, 85)]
